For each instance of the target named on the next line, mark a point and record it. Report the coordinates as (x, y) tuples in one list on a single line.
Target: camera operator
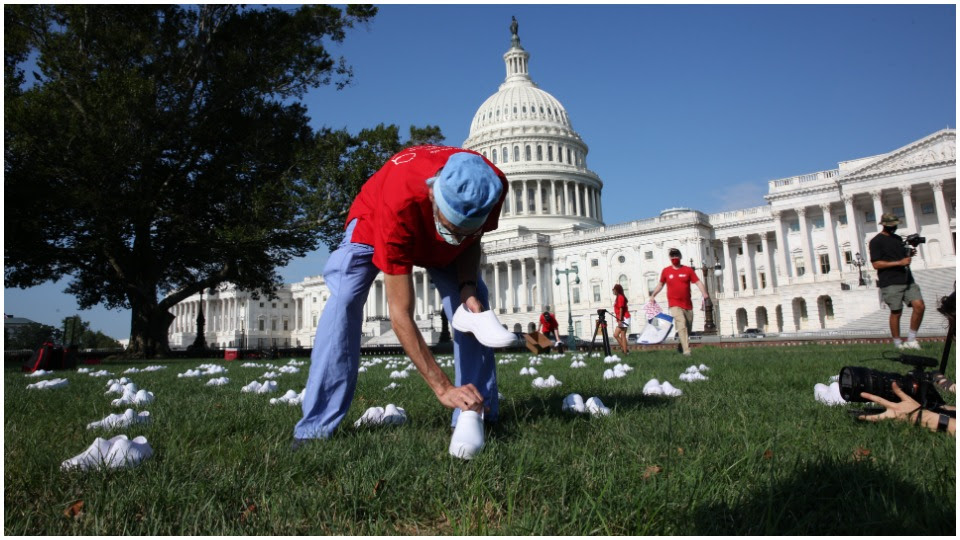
[(908, 409), (891, 258)]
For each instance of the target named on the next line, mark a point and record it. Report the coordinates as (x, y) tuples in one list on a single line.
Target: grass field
[(747, 452)]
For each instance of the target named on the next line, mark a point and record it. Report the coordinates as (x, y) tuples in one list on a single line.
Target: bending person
[(427, 206), (622, 314)]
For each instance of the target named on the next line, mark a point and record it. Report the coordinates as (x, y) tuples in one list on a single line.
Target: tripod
[(601, 328)]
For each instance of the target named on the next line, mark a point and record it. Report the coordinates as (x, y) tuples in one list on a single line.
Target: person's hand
[(471, 302), (905, 261), (902, 410), (707, 303), (465, 398)]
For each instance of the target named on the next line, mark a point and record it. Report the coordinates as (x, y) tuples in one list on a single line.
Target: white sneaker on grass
[(467, 439)]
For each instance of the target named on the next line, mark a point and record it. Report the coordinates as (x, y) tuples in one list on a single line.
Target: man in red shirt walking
[(678, 279), (427, 206)]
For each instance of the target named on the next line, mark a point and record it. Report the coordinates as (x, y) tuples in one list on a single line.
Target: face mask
[(890, 230), (676, 262), (447, 236)]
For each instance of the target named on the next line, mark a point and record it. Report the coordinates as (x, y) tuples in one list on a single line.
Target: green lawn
[(748, 452)]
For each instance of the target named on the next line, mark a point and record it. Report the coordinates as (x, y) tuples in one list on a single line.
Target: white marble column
[(511, 300), (908, 209), (576, 199), (751, 266), (525, 301), (943, 219), (835, 260), (539, 199), (523, 198), (877, 208), (536, 276), (496, 284), (806, 248), (782, 270), (588, 206), (854, 237), (727, 269), (767, 260), (553, 197)]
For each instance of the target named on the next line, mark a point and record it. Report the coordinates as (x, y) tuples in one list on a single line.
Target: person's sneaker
[(913, 344), (900, 346)]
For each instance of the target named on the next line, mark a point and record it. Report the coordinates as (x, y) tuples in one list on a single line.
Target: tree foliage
[(30, 336), (155, 151)]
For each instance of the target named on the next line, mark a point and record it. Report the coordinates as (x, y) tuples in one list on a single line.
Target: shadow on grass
[(832, 498)]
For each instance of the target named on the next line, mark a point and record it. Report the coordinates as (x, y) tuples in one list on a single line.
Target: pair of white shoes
[(111, 453), (257, 388), (290, 398), (909, 345), (141, 397), (127, 418), (528, 371), (828, 395), (655, 388), (618, 371), (593, 406), (484, 326), (549, 382), (219, 381), (612, 359), (695, 369), (578, 364), (47, 385), (391, 415), (289, 369), (402, 374), (101, 373), (118, 388), (39, 373), (692, 377)]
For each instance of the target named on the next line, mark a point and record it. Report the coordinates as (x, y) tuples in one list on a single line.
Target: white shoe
[(113, 453), (596, 408), (574, 403), (467, 437), (703, 367), (670, 390), (484, 326), (652, 388), (393, 415), (372, 417), (912, 344)]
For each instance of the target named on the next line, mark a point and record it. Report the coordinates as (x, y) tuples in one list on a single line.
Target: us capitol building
[(786, 267)]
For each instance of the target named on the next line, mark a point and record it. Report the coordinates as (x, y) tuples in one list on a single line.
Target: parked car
[(752, 333), (632, 339)]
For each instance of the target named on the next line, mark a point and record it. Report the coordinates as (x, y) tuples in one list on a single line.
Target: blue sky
[(694, 106)]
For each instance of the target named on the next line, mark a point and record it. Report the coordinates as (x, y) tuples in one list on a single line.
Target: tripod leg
[(596, 331), (606, 341)]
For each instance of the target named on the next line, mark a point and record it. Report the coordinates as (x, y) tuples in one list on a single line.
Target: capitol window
[(524, 109), (621, 259), (516, 153), (494, 157), (539, 153), (648, 255), (506, 155), (514, 109), (594, 262), (528, 154), (549, 153), (926, 208), (869, 216), (569, 161)]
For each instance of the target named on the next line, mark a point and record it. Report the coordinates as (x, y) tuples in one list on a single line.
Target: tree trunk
[(149, 324)]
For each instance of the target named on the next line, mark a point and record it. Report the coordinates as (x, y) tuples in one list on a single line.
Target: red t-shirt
[(678, 282), (395, 214), (548, 326), (620, 307)]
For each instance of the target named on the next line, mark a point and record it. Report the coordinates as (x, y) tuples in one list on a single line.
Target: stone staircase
[(934, 284)]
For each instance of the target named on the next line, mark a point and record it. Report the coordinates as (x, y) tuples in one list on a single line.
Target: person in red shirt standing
[(427, 206), (678, 279), (548, 324), (622, 315)]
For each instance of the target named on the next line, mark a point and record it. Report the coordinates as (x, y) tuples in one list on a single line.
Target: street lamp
[(859, 262), (708, 326), (243, 336), (718, 273), (571, 340)]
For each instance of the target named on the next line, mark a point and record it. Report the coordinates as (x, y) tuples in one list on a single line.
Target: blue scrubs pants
[(336, 348)]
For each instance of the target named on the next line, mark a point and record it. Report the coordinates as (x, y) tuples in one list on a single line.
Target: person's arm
[(657, 290), (400, 298), (468, 270), (880, 265), (703, 291), (907, 409)]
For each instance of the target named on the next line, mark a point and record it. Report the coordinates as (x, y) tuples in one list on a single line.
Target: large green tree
[(152, 152)]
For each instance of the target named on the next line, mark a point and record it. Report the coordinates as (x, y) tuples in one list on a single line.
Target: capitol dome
[(528, 134)]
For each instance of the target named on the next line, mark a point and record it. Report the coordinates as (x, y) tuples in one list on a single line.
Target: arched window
[(506, 155), (624, 282), (549, 153), (494, 156), (528, 153), (516, 153), (539, 153)]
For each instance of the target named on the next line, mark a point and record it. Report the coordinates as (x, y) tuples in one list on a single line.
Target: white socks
[(467, 439)]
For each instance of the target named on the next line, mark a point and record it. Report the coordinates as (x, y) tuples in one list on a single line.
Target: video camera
[(918, 384), (911, 241)]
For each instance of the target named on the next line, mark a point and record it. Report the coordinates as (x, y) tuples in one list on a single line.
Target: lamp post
[(859, 262), (709, 327), (718, 273), (571, 340), (200, 343), (243, 336)]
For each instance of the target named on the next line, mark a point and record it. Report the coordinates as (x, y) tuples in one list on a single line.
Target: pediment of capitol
[(936, 150)]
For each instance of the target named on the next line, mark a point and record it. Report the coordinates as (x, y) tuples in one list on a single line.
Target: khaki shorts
[(895, 296)]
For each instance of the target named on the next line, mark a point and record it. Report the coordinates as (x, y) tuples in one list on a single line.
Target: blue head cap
[(466, 190)]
